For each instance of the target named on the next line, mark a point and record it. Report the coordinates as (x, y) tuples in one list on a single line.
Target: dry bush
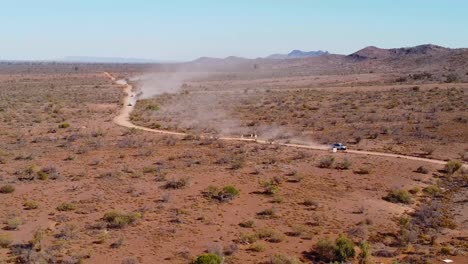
[(179, 183)]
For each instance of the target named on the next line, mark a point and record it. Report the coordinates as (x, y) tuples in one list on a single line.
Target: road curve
[(129, 101)]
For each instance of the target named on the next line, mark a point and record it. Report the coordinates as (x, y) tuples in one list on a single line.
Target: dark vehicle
[(339, 146)]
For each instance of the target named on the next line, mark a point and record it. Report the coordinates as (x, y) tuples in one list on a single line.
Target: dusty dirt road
[(123, 119)]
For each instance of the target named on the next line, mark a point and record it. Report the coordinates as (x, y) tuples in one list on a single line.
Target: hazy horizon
[(186, 30)]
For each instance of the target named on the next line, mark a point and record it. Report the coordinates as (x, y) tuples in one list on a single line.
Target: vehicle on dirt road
[(339, 146)]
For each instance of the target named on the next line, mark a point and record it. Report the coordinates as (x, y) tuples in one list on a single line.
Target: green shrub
[(64, 125), (5, 240), (452, 166), (63, 207), (398, 196), (7, 189), (344, 249), (208, 258), (364, 255), (30, 205), (116, 219)]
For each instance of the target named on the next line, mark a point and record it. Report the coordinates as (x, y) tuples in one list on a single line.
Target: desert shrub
[(310, 203), (283, 259), (67, 232), (422, 170), (344, 165), (269, 235), (7, 189), (326, 162), (13, 223), (116, 219), (398, 196), (432, 190), (451, 77), (247, 224), (30, 205), (257, 247), (177, 183), (42, 175), (267, 213), (63, 207), (362, 171), (325, 250), (270, 188), (5, 240), (427, 149), (452, 166), (344, 248), (297, 231), (248, 238), (208, 258), (64, 125), (445, 250), (226, 194), (341, 250)]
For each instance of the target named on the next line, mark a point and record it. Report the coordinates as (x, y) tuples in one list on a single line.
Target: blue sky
[(184, 30)]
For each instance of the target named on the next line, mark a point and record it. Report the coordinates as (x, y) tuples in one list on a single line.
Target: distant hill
[(298, 54), (372, 52)]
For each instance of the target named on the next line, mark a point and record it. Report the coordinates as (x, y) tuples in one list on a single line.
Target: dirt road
[(123, 119)]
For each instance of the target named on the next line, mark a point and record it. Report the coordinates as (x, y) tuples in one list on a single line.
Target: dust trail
[(123, 119)]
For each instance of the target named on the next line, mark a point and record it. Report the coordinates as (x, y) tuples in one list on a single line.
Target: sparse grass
[(64, 207), (7, 189), (398, 196)]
